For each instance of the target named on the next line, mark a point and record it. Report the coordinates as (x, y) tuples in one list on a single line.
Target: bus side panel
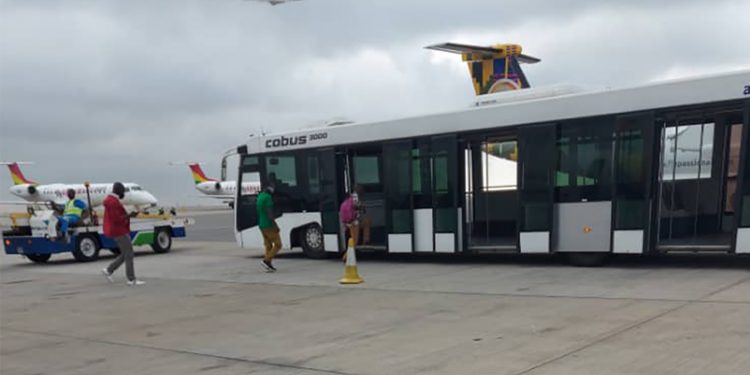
[(253, 239)]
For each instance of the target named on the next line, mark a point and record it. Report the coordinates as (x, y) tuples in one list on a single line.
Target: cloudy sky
[(113, 90)]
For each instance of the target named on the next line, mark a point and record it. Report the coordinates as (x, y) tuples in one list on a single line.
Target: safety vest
[(71, 209)]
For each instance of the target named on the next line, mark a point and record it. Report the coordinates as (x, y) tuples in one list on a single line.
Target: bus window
[(282, 171), (584, 149), (633, 145), (445, 184), (564, 167), (397, 160), (688, 151), (248, 177), (499, 167), (366, 170), (745, 190), (313, 175), (250, 161)]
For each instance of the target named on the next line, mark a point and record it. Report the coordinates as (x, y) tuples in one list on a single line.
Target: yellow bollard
[(351, 276)]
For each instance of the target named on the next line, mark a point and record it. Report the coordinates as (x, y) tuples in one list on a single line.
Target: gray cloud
[(111, 90)]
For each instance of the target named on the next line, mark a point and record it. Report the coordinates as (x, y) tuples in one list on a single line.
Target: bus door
[(421, 186), (332, 191), (633, 166), (399, 184), (245, 213), (537, 158), (365, 168), (447, 212), (697, 185), (491, 193), (741, 190)]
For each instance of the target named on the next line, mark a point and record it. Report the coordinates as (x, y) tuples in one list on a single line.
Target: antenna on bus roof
[(493, 69)]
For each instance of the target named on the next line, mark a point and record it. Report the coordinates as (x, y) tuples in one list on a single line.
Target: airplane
[(34, 192), (214, 188), (275, 2), (493, 69)]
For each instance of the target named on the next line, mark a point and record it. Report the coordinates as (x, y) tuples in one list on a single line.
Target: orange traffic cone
[(351, 276)]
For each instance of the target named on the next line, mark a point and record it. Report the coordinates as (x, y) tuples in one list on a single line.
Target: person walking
[(268, 226), (117, 227)]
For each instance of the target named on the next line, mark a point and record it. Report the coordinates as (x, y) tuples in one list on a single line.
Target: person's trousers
[(355, 227), (66, 221), (126, 255), (272, 242)]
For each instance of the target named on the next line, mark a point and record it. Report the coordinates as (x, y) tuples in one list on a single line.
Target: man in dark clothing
[(117, 227)]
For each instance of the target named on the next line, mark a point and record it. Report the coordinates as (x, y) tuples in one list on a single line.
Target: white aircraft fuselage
[(227, 189), (134, 194)]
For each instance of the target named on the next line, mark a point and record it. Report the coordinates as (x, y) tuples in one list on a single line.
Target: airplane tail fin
[(16, 175), (198, 175), (493, 69)]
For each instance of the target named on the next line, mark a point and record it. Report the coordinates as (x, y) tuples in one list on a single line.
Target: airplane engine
[(31, 189), (217, 186)]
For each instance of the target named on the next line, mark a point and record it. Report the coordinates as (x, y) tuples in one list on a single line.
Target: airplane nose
[(151, 199)]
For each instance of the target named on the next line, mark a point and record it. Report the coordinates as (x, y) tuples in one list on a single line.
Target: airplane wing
[(528, 59), (462, 48), (467, 48), (217, 196), (17, 203), (275, 2)]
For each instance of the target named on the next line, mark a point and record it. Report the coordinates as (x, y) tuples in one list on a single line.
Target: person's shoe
[(135, 282), (267, 266), (107, 275)]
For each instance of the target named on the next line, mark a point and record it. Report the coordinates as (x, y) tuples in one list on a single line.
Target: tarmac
[(207, 308)]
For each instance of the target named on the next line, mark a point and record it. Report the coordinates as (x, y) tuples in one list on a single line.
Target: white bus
[(649, 169)]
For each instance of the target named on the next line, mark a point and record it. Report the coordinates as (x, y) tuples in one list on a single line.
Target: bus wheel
[(87, 248), (162, 241), (587, 259), (311, 238), (38, 258)]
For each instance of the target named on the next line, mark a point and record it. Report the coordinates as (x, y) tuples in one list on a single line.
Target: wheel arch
[(294, 234)]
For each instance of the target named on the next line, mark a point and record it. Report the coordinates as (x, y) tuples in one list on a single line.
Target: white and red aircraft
[(214, 188), (275, 2), (34, 192)]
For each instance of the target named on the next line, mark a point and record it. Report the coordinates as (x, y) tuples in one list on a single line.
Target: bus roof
[(673, 93)]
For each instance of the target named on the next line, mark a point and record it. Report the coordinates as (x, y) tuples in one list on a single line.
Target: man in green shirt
[(268, 226)]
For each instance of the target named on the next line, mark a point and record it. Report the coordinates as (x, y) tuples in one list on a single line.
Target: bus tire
[(39, 258), (587, 259), (162, 241), (87, 248), (311, 240)]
